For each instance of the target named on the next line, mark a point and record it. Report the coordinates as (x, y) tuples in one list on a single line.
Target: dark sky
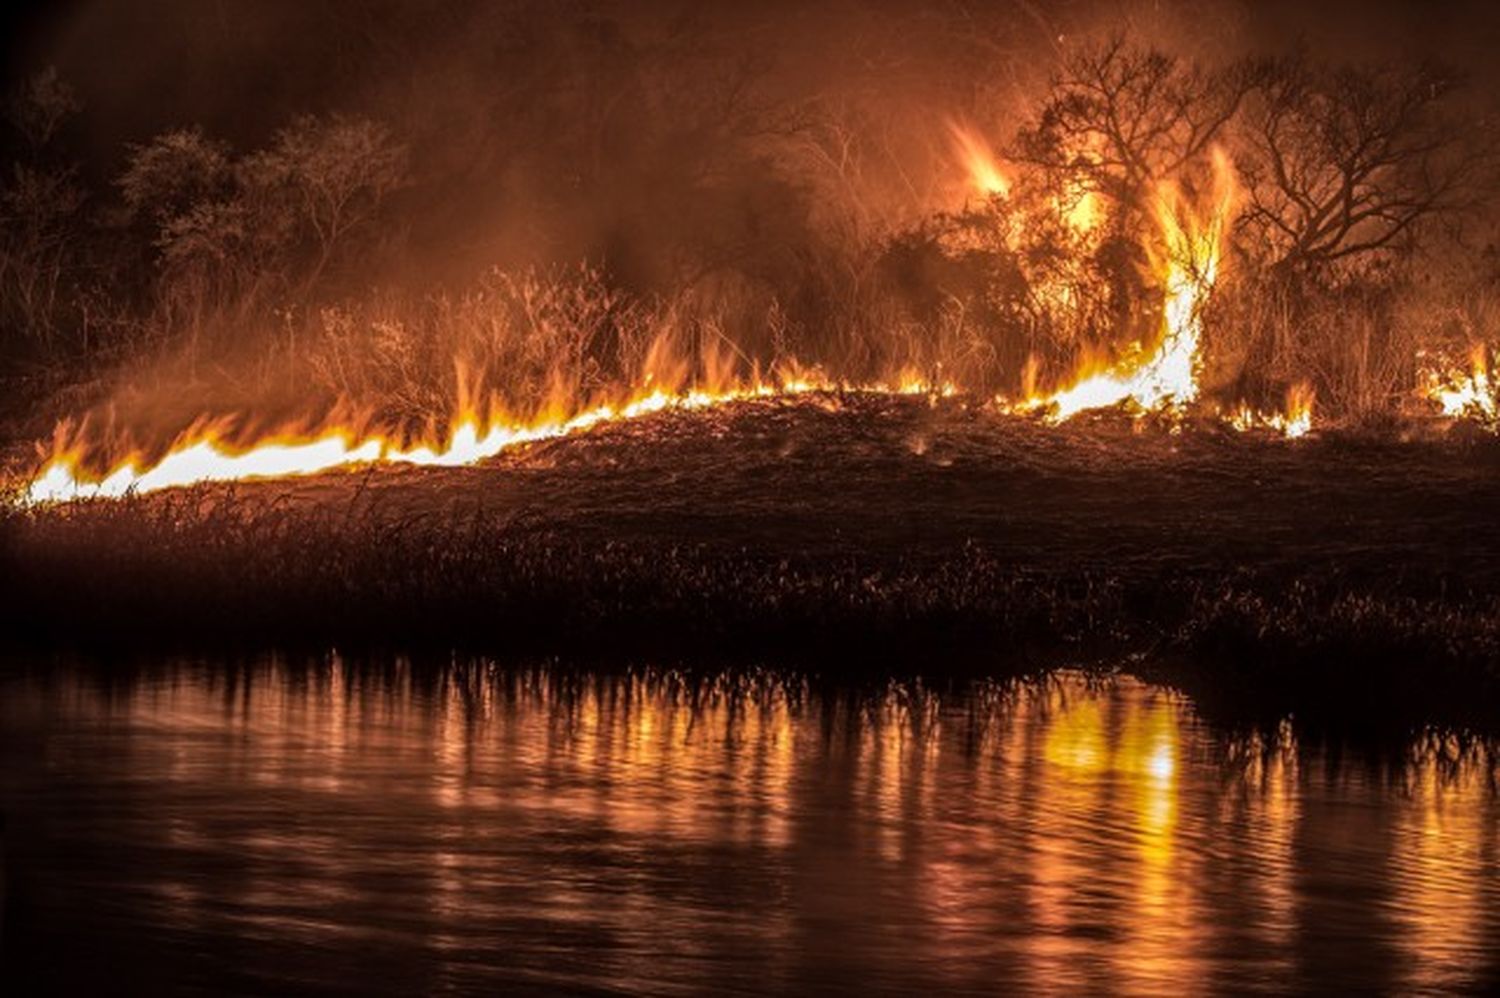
[(245, 64)]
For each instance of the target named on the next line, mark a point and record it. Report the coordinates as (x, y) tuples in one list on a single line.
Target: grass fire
[(1188, 240)]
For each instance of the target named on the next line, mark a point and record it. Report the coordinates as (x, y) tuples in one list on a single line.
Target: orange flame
[(203, 454), (1186, 254), (1295, 421), (979, 160), (1187, 263), (1466, 394)]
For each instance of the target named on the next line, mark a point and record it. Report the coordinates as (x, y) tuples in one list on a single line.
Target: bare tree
[(227, 226), (338, 171), (40, 105), (37, 210), (176, 170), (182, 185), (1346, 162), (40, 199), (1120, 117)]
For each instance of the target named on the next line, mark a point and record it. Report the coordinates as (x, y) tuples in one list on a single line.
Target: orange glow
[(1186, 261), (1083, 211), (1159, 374), (1295, 421), (204, 453), (1441, 837), (1119, 756), (976, 156), (1461, 394)]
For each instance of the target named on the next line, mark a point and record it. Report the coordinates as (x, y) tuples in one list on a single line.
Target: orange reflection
[(1057, 836), (1444, 847)]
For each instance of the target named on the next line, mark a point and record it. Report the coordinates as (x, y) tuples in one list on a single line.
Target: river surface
[(320, 828)]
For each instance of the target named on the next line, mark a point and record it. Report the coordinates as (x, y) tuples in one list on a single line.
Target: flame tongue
[(209, 460), (983, 167), (203, 460), (1187, 263)]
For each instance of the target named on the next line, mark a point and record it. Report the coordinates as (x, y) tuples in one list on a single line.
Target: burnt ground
[(1349, 578)]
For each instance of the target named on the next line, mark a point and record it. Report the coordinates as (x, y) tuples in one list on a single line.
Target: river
[(316, 827)]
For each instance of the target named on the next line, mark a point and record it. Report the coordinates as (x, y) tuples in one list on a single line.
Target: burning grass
[(1110, 303)]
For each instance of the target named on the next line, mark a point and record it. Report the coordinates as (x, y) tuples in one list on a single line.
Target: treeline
[(1355, 254), (699, 208)]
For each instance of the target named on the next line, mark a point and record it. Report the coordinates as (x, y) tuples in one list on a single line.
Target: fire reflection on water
[(643, 829), (1446, 850)]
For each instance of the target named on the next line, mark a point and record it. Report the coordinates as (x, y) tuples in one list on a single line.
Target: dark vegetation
[(1264, 577)]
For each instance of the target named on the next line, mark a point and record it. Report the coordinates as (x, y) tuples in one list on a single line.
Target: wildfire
[(1466, 394), (1187, 261), (1081, 210), (203, 454), (1185, 252)]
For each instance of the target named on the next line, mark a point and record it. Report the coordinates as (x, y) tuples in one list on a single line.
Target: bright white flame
[(208, 459), (1466, 394), (1167, 378)]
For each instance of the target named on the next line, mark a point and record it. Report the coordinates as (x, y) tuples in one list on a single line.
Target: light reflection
[(1445, 847), (741, 830), (1261, 808)]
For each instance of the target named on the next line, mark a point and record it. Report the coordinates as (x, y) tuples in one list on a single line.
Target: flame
[(976, 156), (1187, 263), (1294, 422), (1185, 255), (1299, 408), (205, 454), (1466, 394)]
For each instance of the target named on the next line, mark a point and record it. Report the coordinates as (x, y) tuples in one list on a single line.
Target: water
[(330, 830)]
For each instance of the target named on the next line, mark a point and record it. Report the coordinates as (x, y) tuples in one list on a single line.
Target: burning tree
[(1121, 118), (1067, 249)]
